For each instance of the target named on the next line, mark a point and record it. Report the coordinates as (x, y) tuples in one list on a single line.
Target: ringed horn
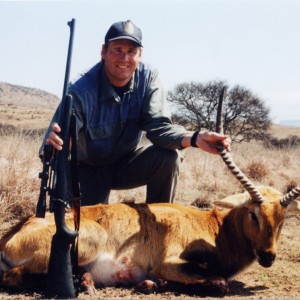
[(289, 197), (241, 177)]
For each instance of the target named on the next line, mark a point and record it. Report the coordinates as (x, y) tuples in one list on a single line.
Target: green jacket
[(110, 126)]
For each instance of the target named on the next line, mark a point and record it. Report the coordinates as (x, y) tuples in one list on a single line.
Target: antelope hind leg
[(19, 277), (29, 273)]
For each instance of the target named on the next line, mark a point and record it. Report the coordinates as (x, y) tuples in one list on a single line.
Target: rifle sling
[(76, 201)]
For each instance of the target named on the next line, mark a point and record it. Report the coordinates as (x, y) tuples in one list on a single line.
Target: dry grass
[(203, 177), (25, 117), (19, 183), (206, 176)]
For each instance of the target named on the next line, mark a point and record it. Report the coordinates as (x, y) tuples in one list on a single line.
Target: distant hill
[(283, 131), (290, 122), (25, 107), (27, 97), (31, 108)]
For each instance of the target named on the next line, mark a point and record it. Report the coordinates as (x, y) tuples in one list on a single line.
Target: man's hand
[(54, 139), (207, 141)]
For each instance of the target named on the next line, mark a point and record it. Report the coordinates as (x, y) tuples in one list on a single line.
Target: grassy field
[(203, 179)]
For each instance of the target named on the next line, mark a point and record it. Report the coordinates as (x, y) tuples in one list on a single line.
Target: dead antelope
[(124, 244)]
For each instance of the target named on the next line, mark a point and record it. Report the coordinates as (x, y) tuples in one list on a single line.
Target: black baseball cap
[(124, 30)]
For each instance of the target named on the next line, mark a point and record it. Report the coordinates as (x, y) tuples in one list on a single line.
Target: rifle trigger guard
[(61, 201)]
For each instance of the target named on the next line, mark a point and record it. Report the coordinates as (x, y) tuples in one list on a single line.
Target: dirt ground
[(281, 281)]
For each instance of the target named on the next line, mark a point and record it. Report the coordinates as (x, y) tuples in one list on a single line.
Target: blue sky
[(250, 43)]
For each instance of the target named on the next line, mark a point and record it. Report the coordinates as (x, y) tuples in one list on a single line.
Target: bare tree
[(246, 117)]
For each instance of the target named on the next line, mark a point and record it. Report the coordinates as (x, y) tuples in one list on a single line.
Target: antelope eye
[(254, 217)]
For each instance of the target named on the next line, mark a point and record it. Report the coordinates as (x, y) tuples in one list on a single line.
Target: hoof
[(146, 287), (216, 287), (149, 286), (87, 284)]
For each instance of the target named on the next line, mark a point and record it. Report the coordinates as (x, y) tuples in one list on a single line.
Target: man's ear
[(103, 52), (141, 50)]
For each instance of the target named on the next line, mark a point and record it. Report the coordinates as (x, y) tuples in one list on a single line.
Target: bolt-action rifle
[(61, 282)]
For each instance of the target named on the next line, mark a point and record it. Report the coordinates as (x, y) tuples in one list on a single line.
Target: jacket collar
[(107, 91)]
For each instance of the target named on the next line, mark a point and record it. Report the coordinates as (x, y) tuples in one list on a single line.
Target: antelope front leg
[(191, 274)]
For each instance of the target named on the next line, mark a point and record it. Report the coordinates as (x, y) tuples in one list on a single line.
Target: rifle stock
[(60, 278)]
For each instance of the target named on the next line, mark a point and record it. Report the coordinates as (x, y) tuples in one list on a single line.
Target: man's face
[(121, 59)]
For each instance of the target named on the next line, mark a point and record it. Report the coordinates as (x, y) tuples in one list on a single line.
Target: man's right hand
[(54, 139)]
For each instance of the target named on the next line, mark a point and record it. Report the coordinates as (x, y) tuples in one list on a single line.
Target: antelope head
[(266, 207)]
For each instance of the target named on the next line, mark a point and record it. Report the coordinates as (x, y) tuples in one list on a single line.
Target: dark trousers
[(155, 167)]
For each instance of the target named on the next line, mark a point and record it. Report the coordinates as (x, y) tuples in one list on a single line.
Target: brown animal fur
[(128, 243)]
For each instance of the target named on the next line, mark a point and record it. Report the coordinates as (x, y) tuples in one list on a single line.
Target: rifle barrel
[(69, 58)]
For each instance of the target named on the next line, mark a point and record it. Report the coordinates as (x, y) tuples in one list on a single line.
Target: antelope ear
[(233, 201), (294, 208)]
